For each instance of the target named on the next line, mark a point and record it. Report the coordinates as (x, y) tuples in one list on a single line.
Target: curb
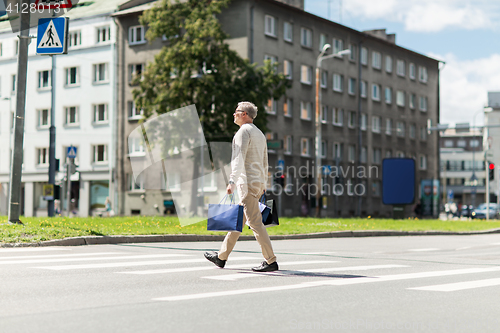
[(96, 240)]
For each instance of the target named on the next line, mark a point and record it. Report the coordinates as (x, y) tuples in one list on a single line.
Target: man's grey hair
[(249, 108)]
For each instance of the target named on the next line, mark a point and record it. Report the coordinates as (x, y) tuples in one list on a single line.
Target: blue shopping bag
[(223, 217)]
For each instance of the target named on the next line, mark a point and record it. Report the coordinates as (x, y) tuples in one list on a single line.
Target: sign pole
[(52, 147), (17, 153)]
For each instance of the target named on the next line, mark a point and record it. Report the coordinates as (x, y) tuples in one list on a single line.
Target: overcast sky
[(463, 33)]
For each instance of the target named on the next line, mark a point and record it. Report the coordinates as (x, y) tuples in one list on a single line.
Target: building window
[(306, 74), (133, 112), (136, 184), (337, 151), (322, 41), (288, 107), (43, 156), (352, 119), (375, 92), (273, 59), (72, 76), (351, 153), (388, 95), (422, 74), (272, 106), (364, 56), (413, 131), (71, 115), (135, 71), (304, 147), (16, 47), (13, 83), (287, 145), (388, 153), (413, 101), (100, 153), (352, 86), (352, 55), (270, 26), (288, 32), (423, 134), (337, 116), (376, 60), (376, 124), (400, 98), (363, 122), (101, 73), (103, 34), (377, 156), (136, 35), (400, 127), (388, 126), (448, 143), (338, 82), (400, 154), (288, 69), (400, 68), (324, 78), (306, 37), (44, 80), (43, 118), (75, 38), (306, 110), (474, 143), (423, 103), (100, 113), (338, 45), (376, 188), (363, 158), (412, 71), (323, 148), (388, 64), (363, 89), (423, 162), (461, 143), (324, 114), (136, 146)]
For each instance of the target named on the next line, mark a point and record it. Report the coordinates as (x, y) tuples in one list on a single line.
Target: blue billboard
[(398, 181)]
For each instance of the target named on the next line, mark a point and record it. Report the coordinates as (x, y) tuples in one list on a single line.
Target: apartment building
[(84, 111), (491, 139), (376, 103)]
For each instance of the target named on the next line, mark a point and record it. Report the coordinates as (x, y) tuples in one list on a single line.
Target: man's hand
[(230, 188)]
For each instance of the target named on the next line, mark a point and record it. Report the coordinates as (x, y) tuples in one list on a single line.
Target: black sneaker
[(265, 267), (214, 257)]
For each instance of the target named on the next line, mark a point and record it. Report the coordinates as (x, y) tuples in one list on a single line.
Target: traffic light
[(280, 180), (491, 170)]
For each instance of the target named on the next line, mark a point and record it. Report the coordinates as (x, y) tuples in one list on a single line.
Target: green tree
[(198, 67)]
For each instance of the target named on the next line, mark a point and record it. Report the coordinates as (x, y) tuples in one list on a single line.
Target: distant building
[(376, 103), (492, 140), (463, 170)]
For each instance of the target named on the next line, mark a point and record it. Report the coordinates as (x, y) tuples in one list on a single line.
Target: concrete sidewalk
[(93, 240)]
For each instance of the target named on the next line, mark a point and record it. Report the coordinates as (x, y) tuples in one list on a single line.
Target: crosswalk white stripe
[(32, 249), (330, 282), (461, 285), (39, 261), (206, 268), (63, 255), (234, 277), (424, 250), (129, 264)]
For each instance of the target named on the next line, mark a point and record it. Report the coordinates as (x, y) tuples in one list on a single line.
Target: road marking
[(32, 249), (234, 277), (62, 255), (319, 252), (461, 285), (39, 261), (331, 282), (127, 264), (200, 268), (424, 250)]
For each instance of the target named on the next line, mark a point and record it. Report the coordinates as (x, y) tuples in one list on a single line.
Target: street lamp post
[(10, 137), (321, 57), (473, 177)]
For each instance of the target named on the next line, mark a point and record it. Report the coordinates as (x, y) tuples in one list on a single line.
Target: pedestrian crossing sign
[(71, 152), (52, 35)]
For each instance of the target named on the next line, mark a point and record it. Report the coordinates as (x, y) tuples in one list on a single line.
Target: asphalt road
[(378, 284)]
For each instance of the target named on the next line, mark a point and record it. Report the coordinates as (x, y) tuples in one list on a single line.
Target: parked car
[(466, 210), (480, 211)]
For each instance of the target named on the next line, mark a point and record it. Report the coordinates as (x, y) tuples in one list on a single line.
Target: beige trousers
[(252, 215)]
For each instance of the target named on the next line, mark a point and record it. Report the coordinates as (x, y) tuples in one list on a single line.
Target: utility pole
[(17, 153), (52, 135)]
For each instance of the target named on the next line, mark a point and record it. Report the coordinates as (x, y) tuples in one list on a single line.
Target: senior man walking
[(249, 175)]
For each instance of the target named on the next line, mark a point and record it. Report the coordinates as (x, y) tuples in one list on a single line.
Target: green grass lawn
[(36, 229)]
